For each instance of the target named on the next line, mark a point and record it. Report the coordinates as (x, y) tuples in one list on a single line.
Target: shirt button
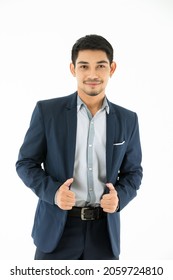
[(90, 168), (90, 145)]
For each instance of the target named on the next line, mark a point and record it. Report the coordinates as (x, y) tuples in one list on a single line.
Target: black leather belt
[(87, 213)]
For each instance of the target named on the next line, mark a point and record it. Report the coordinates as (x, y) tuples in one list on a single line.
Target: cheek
[(105, 79), (79, 79), (105, 75)]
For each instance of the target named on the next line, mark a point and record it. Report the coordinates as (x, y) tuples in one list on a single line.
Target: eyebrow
[(98, 62)]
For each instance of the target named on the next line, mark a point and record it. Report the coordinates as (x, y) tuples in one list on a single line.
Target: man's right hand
[(64, 197)]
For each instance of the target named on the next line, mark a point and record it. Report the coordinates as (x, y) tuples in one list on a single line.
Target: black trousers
[(82, 240)]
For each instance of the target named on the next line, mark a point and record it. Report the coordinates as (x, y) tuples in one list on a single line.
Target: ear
[(72, 69), (113, 68)]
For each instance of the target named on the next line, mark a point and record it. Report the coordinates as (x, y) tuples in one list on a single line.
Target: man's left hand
[(109, 202)]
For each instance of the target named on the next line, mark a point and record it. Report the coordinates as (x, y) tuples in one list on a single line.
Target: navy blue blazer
[(46, 161)]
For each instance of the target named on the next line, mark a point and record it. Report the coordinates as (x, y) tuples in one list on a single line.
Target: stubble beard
[(92, 93)]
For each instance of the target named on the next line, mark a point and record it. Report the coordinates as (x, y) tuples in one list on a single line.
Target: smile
[(92, 83)]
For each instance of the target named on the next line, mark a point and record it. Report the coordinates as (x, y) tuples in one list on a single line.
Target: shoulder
[(121, 111), (57, 103), (124, 117)]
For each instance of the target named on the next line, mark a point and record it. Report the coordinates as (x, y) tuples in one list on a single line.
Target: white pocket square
[(118, 144)]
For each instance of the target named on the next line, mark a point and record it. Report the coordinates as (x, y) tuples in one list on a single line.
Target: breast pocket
[(119, 143), (119, 150)]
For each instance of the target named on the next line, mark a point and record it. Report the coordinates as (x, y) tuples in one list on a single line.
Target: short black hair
[(92, 42)]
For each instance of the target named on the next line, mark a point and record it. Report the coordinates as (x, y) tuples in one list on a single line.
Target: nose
[(92, 74)]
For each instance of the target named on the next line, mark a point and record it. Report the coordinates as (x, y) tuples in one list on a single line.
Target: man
[(82, 157)]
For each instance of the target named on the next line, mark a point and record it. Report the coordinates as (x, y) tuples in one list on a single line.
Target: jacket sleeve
[(131, 172), (31, 159)]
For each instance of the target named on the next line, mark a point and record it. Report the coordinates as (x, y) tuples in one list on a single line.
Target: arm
[(32, 155), (130, 173)]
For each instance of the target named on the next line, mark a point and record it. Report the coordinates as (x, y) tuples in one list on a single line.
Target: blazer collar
[(72, 103)]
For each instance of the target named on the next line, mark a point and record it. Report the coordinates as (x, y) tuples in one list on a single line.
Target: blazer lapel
[(71, 113), (110, 136)]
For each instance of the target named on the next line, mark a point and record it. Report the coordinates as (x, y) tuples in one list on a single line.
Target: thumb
[(110, 187), (68, 182)]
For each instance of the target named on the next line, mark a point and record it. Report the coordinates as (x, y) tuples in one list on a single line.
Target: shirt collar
[(105, 105)]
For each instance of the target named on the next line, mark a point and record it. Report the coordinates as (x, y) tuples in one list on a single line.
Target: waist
[(87, 213)]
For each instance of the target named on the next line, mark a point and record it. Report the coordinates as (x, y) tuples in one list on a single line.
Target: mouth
[(92, 83)]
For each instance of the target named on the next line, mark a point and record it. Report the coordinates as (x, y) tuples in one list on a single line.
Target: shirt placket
[(90, 178)]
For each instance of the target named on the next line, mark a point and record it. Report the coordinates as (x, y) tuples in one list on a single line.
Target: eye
[(83, 66), (101, 66)]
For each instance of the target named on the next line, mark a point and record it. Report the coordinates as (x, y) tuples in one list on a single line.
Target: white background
[(36, 37)]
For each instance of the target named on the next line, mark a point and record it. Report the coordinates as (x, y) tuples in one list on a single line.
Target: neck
[(94, 103)]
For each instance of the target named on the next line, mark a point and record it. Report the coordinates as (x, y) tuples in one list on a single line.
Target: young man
[(82, 157)]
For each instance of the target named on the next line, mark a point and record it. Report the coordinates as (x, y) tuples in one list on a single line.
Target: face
[(92, 71)]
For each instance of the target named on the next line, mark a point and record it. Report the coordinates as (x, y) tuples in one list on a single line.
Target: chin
[(93, 93)]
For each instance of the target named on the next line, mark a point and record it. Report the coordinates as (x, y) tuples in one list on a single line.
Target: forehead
[(92, 56)]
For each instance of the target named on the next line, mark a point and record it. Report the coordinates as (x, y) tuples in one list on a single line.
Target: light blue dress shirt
[(90, 156)]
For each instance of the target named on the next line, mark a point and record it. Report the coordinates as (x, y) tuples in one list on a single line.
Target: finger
[(70, 195), (110, 187), (67, 194), (108, 207), (66, 202), (66, 206), (104, 202), (109, 210), (106, 196), (68, 182)]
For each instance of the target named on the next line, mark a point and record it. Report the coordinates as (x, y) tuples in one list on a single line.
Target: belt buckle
[(83, 214)]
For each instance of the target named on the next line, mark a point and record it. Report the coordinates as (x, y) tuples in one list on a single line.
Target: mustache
[(92, 81)]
